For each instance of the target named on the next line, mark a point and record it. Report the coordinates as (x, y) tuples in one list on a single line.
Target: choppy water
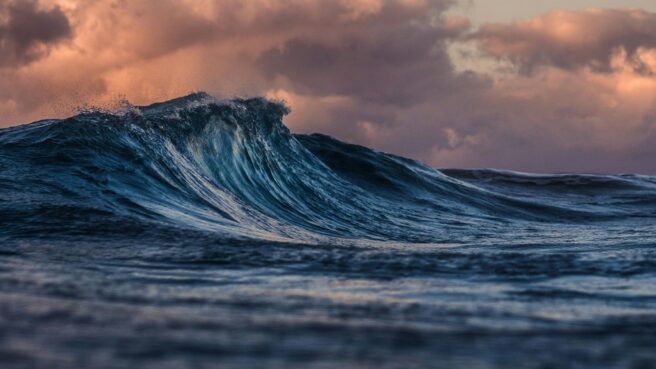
[(202, 233)]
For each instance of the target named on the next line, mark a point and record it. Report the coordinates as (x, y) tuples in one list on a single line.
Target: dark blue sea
[(201, 233)]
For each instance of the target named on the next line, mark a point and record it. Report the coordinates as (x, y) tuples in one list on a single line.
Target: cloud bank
[(573, 39), (578, 96)]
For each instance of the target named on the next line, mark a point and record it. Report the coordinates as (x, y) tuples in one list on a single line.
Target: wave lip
[(231, 167)]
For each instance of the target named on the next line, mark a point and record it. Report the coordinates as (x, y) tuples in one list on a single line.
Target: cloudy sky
[(542, 86)]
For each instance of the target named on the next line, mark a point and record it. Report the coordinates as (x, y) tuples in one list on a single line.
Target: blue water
[(201, 233)]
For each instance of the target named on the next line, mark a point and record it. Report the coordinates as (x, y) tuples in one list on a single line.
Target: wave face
[(232, 167), (196, 198)]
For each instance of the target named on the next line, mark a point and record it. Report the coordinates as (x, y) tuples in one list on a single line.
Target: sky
[(538, 86)]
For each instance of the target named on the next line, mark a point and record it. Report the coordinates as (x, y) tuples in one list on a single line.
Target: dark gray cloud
[(396, 73), (26, 31), (401, 63)]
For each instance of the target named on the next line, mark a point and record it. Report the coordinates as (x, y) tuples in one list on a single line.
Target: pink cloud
[(571, 39)]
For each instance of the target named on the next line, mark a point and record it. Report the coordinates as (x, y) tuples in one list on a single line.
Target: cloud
[(583, 98), (401, 63), (557, 120), (27, 32), (573, 39)]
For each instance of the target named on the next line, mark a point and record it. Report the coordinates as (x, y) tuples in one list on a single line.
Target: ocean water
[(201, 233)]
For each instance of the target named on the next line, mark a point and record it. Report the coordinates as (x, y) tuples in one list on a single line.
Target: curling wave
[(232, 168)]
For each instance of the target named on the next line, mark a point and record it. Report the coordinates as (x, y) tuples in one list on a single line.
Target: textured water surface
[(202, 233)]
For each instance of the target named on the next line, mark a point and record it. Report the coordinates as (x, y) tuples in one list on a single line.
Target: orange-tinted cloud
[(156, 49)]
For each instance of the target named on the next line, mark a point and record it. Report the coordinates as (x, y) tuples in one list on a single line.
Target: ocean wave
[(231, 167)]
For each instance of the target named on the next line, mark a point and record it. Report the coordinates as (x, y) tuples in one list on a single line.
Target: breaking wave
[(233, 168)]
